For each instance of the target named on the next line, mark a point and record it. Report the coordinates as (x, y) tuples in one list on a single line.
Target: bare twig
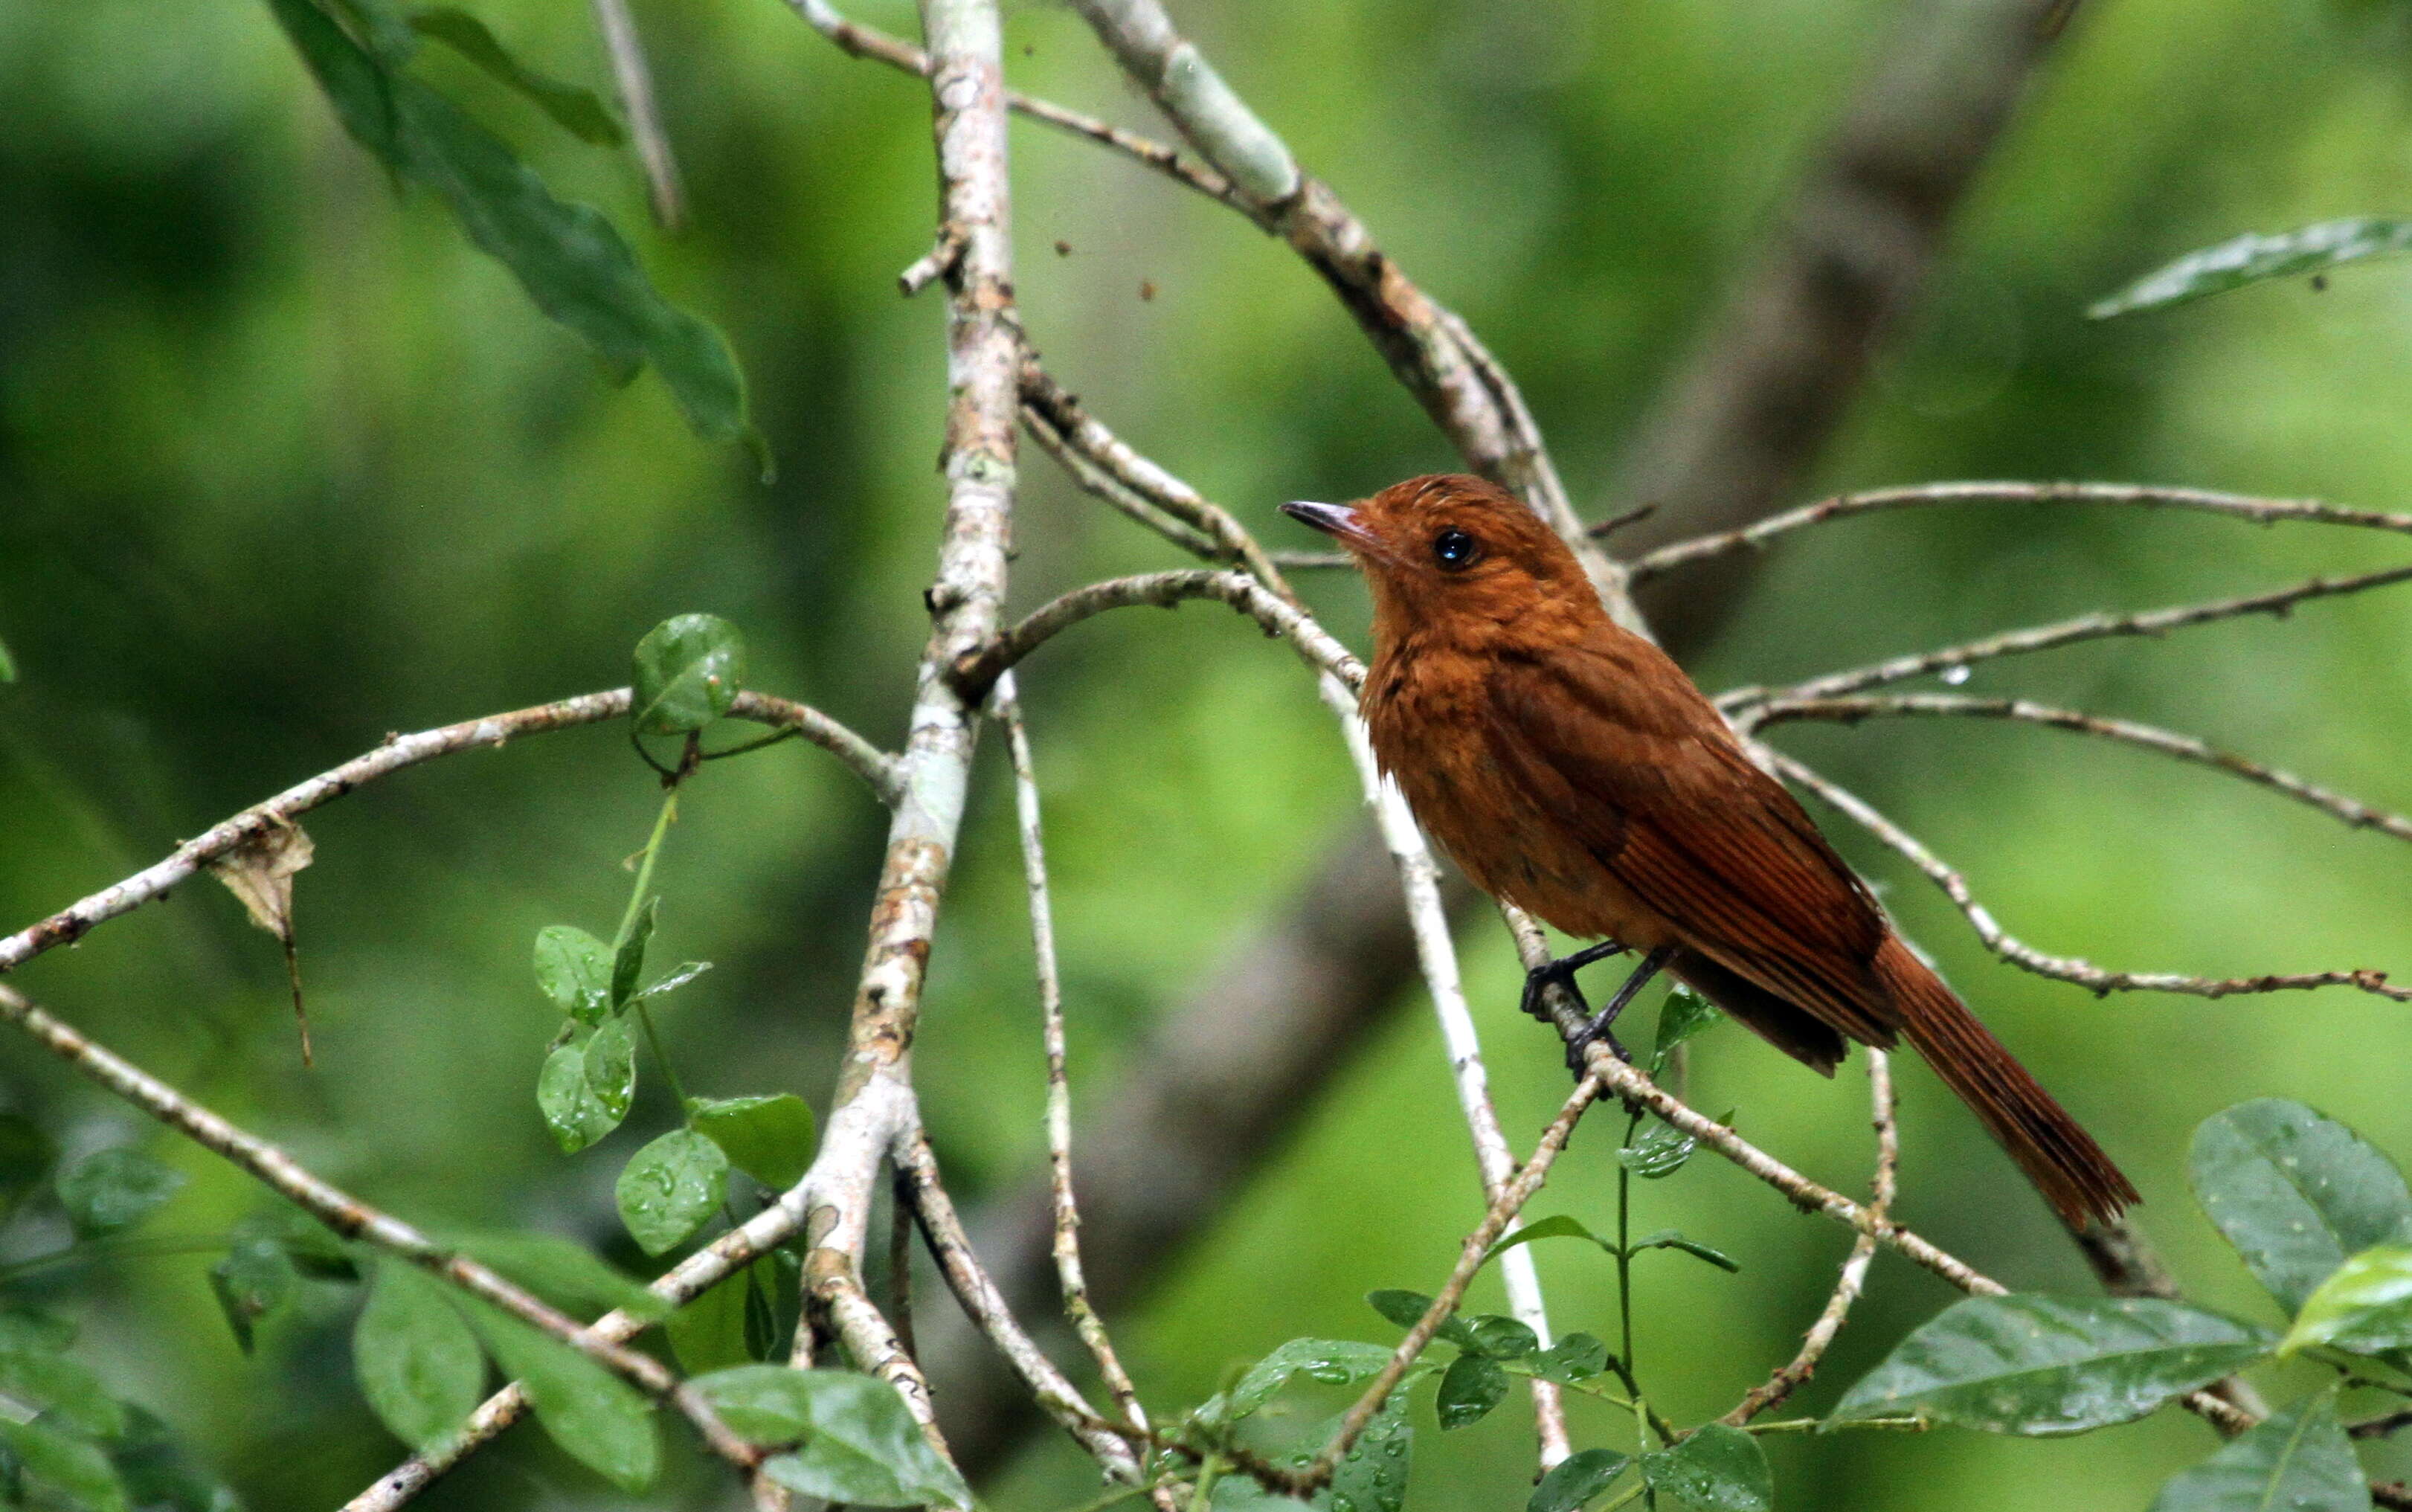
[(871, 42), (2168, 742), (933, 264), (349, 1217), (2148, 496), (2094, 626), (634, 78), (1854, 1277), (2065, 968), (398, 752), (1059, 1090)]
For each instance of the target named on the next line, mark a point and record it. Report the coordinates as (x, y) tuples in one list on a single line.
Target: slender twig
[(1436, 952), (634, 78), (2350, 811), (1854, 1277), (398, 752), (2094, 626), (863, 41), (1100, 484), (2101, 980), (2148, 496), (350, 1218)]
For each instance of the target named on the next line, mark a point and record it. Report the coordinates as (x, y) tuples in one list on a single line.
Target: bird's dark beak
[(1337, 520)]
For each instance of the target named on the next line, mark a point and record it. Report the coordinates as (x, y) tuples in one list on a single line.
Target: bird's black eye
[(1453, 548)]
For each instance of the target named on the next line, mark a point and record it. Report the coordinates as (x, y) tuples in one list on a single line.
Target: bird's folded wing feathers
[(1662, 796)]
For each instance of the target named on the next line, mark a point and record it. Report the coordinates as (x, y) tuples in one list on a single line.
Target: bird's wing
[(1659, 792)]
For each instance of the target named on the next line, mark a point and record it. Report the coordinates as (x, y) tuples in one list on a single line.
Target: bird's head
[(1452, 549)]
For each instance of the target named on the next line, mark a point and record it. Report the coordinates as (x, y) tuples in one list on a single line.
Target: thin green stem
[(662, 1057), (123, 1249), (645, 868), (1210, 1470)]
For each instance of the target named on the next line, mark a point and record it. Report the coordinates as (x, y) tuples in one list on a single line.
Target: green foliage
[(114, 1189), (858, 1442), (2295, 1193), (256, 1278), (563, 1272), (1469, 1389), (74, 1469), (575, 1110), (1713, 1469), (688, 672), (417, 1361), (1576, 1480), (579, 111), (574, 968), (769, 1139), (598, 1419), (2256, 259), (1685, 1014), (569, 258), (2366, 1307), (2300, 1459), (671, 1188)]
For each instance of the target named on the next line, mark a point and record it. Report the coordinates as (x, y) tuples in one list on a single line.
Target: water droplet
[(1955, 675)]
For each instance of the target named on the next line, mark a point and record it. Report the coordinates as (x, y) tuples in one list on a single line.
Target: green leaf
[(1578, 1357), (1716, 1469), (2366, 1307), (2040, 1365), (1668, 1238), (158, 1472), (708, 1334), (564, 1272), (1494, 1337), (769, 1139), (761, 1404), (35, 1373), (1576, 1480), (1683, 1014), (568, 257), (1407, 1308), (254, 1279), (574, 968), (572, 1111), (670, 1188), (26, 1155), (2300, 1460), (689, 670), (579, 111), (1660, 1152), (1373, 1475), (417, 1361), (685, 973), (1330, 1361), (2295, 1193), (72, 1467), (7, 663), (114, 1189), (598, 1419), (628, 962), (1469, 1389), (1556, 1226), (863, 1446), (2252, 258), (609, 1063)]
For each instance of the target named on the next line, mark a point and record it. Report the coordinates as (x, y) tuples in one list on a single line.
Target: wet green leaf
[(863, 1446), (574, 968), (671, 981), (1469, 1389), (417, 1363), (2252, 258), (73, 1468), (1330, 1361), (1407, 1308), (564, 1272), (609, 1063), (1373, 1475), (1668, 1238), (1578, 1357), (598, 1419), (1556, 1226), (579, 111), (2299, 1460), (1493, 1337), (628, 962), (568, 257), (769, 1139), (1685, 1014), (2295, 1193), (2366, 1307), (114, 1189), (1576, 1480), (708, 1334), (1717, 1469), (1659, 1152), (2042, 1365), (670, 1186), (689, 669), (572, 1111)]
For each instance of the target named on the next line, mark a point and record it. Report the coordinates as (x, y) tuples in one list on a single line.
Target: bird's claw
[(1595, 1032), (1561, 972)]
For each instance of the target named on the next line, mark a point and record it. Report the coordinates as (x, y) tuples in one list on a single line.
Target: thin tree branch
[(2351, 812), (1854, 1278), (2142, 495), (350, 1218), (2065, 968), (861, 41), (634, 78), (398, 752), (2094, 626)]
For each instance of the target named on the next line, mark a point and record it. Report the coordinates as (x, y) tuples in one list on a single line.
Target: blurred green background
[(285, 465)]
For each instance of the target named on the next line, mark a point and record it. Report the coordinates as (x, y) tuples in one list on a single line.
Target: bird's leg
[(1597, 1028), (1561, 972)]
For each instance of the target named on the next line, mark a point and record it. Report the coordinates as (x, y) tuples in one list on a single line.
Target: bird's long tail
[(2059, 1158)]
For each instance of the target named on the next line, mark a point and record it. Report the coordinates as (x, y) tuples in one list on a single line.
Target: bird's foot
[(1561, 972), (1579, 1045)]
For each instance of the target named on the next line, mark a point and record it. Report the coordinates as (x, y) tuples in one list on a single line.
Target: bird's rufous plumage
[(1572, 768)]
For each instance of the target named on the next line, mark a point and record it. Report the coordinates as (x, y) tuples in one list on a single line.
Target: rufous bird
[(1573, 769)]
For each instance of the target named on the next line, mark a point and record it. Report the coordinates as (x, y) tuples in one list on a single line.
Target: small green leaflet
[(1576, 1480), (114, 1189), (1683, 1014), (2366, 1307), (1373, 1475), (2295, 1193), (629, 961), (579, 111), (568, 257), (1714, 1469), (1331, 1362), (2300, 1460), (574, 968), (598, 1418), (861, 1444), (586, 1086), (670, 1188), (564, 1272), (2253, 259), (689, 670), (256, 1278), (2043, 1365), (74, 1467), (417, 1361), (769, 1139), (1469, 1389)]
